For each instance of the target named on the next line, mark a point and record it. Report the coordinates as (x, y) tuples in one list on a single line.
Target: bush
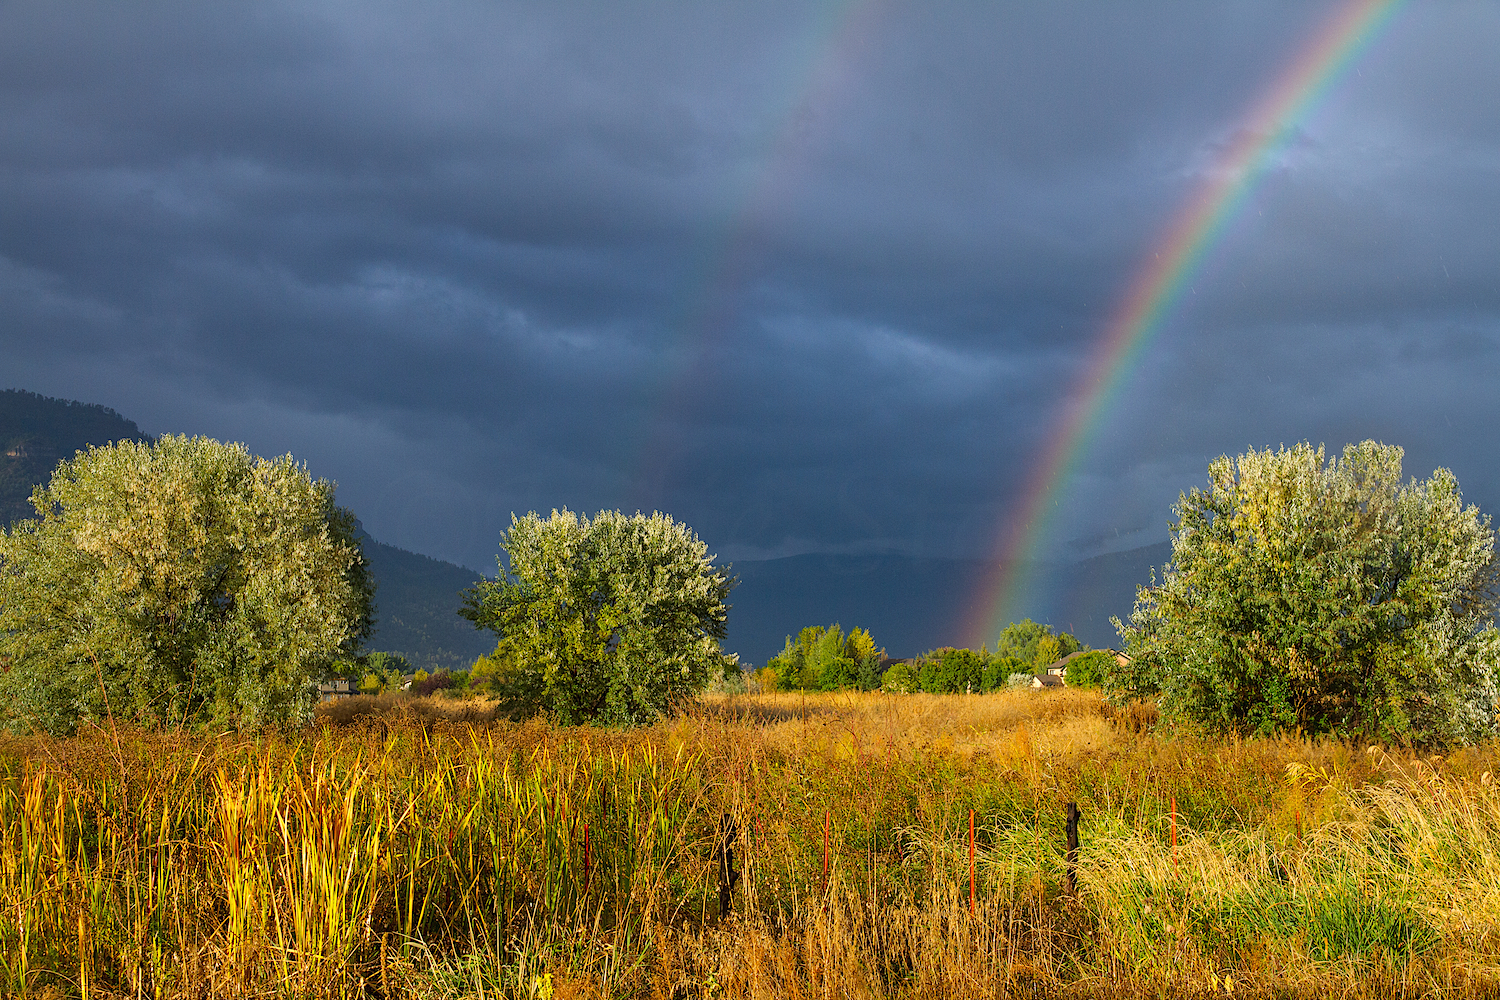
[(178, 581), (950, 670), (824, 659), (731, 678), (426, 684), (607, 620), (1323, 595), (999, 669), (1090, 669), (899, 679)]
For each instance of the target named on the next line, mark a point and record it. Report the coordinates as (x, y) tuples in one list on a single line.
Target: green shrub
[(824, 659), (952, 671), (1090, 669), (609, 620), (899, 679), (178, 581), (1324, 595)]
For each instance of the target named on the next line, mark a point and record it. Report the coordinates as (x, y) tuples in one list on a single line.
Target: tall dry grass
[(406, 848)]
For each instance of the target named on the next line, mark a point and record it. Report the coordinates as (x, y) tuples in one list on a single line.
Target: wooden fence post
[(728, 830), (1072, 877), (1174, 833)]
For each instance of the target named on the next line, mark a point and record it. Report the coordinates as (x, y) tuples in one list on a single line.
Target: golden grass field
[(421, 848)]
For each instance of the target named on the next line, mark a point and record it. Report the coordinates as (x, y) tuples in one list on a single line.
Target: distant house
[(339, 687), (1060, 668), (1047, 680)]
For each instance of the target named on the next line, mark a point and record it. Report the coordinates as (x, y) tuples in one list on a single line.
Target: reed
[(888, 846)]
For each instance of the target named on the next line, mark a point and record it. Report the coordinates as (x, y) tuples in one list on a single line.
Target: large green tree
[(1034, 646), (177, 581), (1322, 594), (608, 620), (952, 670), (824, 659)]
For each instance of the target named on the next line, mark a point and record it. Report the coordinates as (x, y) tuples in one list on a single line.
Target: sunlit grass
[(422, 848)]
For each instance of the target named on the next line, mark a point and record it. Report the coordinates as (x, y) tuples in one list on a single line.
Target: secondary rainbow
[(837, 33), (1158, 287)]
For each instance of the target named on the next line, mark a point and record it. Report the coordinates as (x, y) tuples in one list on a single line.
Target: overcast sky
[(809, 277)]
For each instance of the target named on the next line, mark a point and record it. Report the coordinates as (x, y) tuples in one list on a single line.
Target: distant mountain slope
[(911, 605), (416, 609), (36, 432), (1094, 589), (416, 597)]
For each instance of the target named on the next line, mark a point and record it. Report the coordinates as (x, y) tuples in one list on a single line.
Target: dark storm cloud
[(811, 279)]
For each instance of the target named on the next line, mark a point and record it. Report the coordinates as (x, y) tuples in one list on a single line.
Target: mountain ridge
[(37, 432), (911, 604), (416, 597)]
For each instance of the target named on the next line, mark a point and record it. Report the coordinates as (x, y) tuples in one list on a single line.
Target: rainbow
[(1158, 286), (838, 34)]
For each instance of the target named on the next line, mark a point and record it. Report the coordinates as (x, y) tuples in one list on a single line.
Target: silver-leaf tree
[(1326, 595), (607, 620), (175, 582)]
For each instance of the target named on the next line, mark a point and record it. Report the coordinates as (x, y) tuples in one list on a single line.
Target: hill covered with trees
[(37, 432), (417, 597), (416, 609)]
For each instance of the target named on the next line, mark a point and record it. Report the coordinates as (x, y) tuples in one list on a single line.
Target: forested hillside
[(416, 597), (37, 431), (416, 609)]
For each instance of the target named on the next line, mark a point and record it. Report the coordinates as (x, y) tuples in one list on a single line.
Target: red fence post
[(826, 818), (1174, 832), (971, 862)]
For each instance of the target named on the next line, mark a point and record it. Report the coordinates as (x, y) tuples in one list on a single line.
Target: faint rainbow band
[(1157, 287)]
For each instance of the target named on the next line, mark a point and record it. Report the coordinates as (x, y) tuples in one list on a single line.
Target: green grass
[(404, 854)]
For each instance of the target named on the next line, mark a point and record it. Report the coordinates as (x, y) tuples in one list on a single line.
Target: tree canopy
[(1032, 646), (1325, 595), (824, 659), (1088, 670), (607, 620), (177, 581)]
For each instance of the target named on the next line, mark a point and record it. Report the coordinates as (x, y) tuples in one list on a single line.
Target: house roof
[(1062, 664)]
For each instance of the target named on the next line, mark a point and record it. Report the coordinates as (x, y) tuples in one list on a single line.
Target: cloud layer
[(812, 278)]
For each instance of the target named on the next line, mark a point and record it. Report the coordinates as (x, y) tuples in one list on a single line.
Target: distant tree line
[(825, 659), (383, 672)]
